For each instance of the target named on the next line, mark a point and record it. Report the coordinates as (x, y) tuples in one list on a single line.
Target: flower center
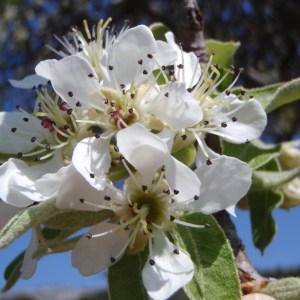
[(60, 120)]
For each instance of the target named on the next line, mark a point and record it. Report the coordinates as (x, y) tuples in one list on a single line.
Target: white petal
[(191, 71), (29, 263), (183, 179), (178, 109), (134, 45), (91, 256), (6, 213), (169, 273), (75, 80), (144, 150), (223, 184), (251, 121), (28, 82), (16, 131), (91, 158), (44, 68), (18, 181), (165, 54)]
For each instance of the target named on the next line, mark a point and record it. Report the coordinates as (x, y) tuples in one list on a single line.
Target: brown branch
[(190, 27), (190, 31)]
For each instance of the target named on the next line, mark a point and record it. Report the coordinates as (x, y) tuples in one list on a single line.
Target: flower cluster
[(125, 103)]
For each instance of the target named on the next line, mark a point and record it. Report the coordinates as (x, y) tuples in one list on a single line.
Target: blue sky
[(56, 270)]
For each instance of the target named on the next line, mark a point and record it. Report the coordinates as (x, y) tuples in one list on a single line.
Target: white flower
[(157, 192), (38, 143)]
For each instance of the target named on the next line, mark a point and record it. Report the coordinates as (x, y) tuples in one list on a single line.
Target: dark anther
[(171, 72), (176, 251), (176, 192), (38, 158), (183, 137), (151, 262), (166, 94), (89, 235), (69, 111), (172, 218), (81, 200), (97, 135), (140, 61), (110, 68), (163, 68), (79, 49), (67, 126), (40, 86), (17, 107), (112, 260), (70, 94), (91, 75), (242, 93), (145, 72), (33, 139), (189, 90), (25, 119), (116, 148), (163, 168), (92, 175), (205, 123), (48, 147), (107, 198), (227, 92), (251, 96), (131, 96), (130, 110), (144, 188), (122, 86), (196, 197), (14, 129), (20, 154), (180, 66), (208, 162), (78, 104), (149, 55), (234, 119), (247, 141), (224, 124)]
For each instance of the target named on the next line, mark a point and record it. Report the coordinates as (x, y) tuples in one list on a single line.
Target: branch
[(190, 30), (190, 27)]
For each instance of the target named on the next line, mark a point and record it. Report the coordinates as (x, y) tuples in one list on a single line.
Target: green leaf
[(256, 154), (125, 278), (186, 155), (267, 180), (274, 96), (159, 30), (215, 271), (12, 272), (283, 289), (263, 225), (27, 218), (224, 51)]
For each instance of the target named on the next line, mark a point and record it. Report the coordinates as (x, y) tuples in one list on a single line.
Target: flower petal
[(251, 121), (91, 256), (176, 107), (91, 158), (74, 79), (6, 213), (28, 82), (170, 272), (29, 263), (16, 131), (183, 179), (223, 184), (18, 181), (144, 150), (121, 62)]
